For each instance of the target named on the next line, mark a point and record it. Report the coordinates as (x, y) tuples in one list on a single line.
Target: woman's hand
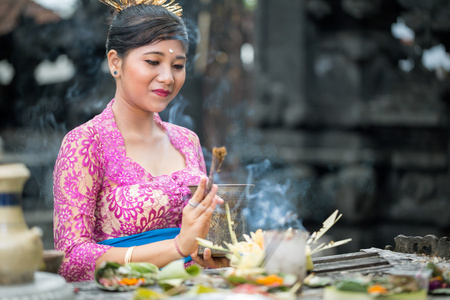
[(208, 261), (197, 217)]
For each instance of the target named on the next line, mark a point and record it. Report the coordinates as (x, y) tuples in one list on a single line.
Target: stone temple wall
[(360, 110)]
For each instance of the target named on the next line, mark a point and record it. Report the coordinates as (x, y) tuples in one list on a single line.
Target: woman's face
[(149, 77)]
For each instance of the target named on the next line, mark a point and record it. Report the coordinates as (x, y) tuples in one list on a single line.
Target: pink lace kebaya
[(100, 193)]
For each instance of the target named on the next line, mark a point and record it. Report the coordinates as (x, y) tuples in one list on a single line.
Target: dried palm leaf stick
[(230, 224), (218, 155)]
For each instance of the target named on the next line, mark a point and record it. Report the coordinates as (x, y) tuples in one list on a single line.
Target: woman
[(121, 179)]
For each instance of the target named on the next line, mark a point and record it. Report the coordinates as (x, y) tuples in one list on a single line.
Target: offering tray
[(45, 286)]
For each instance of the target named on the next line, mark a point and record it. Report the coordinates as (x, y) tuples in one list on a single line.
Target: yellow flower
[(258, 237)]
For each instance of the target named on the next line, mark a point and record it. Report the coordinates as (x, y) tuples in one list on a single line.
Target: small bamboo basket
[(236, 197)]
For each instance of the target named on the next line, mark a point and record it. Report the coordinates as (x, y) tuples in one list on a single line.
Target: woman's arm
[(76, 183)]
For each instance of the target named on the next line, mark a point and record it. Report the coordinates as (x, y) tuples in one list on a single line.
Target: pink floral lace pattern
[(100, 193)]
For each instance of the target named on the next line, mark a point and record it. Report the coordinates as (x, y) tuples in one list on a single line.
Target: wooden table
[(367, 261)]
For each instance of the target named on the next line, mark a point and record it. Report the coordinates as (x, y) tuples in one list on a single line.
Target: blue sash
[(145, 238)]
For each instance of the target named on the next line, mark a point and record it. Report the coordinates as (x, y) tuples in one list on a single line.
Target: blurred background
[(323, 104)]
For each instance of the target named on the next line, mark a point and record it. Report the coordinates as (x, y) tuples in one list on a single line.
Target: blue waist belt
[(143, 238)]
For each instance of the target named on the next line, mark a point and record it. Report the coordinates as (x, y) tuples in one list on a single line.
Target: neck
[(131, 120)]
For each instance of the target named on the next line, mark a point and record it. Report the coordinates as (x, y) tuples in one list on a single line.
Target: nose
[(165, 75)]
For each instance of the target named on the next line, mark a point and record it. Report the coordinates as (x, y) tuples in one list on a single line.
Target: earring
[(115, 72)]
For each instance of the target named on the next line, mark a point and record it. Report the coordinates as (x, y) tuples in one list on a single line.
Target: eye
[(179, 67), (152, 62)]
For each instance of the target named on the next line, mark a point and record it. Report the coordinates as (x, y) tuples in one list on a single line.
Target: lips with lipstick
[(161, 92)]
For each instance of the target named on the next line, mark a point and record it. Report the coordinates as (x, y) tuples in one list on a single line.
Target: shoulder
[(86, 131), (91, 128), (182, 133)]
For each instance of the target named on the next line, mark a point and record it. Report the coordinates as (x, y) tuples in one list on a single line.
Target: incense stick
[(218, 155)]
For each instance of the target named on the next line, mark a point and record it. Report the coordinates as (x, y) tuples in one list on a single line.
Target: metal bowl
[(236, 197)]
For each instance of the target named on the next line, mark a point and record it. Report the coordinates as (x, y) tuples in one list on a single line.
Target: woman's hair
[(140, 25)]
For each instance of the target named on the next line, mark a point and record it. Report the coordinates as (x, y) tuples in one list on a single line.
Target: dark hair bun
[(140, 25)]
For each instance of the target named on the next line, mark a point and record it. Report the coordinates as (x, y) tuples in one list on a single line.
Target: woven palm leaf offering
[(312, 248), (112, 276), (274, 261), (387, 287), (247, 273), (439, 281)]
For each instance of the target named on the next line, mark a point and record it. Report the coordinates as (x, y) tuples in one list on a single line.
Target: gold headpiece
[(122, 4)]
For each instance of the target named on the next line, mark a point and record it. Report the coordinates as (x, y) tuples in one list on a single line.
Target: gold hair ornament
[(122, 4)]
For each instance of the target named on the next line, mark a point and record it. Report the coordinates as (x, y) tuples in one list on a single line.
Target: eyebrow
[(162, 54)]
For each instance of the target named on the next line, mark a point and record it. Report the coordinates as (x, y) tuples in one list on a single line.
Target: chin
[(158, 109)]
